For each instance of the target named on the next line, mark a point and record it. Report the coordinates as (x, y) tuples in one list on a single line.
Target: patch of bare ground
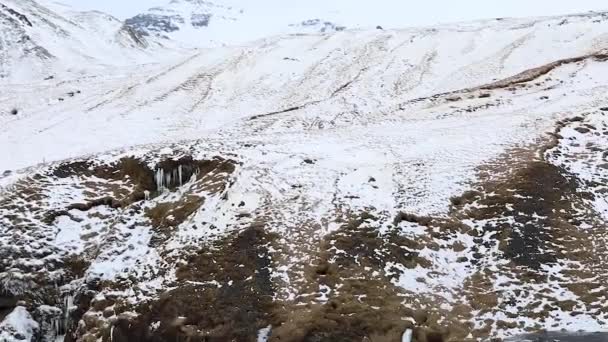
[(351, 297), (518, 231), (525, 217), (208, 177), (534, 73), (128, 169), (121, 187), (168, 215), (223, 293), (530, 212), (524, 79)]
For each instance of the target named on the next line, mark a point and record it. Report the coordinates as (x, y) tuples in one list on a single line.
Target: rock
[(200, 19), (421, 316), (146, 23), (90, 320), (100, 304), (8, 302), (89, 338), (453, 99), (108, 312)]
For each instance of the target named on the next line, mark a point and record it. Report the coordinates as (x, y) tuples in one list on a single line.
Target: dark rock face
[(324, 26), (200, 19), (149, 23), (19, 16), (136, 36), (14, 26), (7, 304)]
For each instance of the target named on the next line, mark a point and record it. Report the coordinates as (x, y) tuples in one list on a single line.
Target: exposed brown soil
[(523, 205), (171, 214), (531, 203), (528, 205), (532, 74), (362, 305), (116, 186), (224, 293), (136, 171)]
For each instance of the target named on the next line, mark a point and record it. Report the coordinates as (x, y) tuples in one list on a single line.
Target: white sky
[(390, 13)]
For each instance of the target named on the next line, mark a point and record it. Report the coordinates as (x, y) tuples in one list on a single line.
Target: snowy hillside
[(341, 186), (37, 41)]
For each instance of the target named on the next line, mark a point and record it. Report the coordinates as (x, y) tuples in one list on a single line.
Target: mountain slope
[(38, 41), (355, 72), (323, 187)]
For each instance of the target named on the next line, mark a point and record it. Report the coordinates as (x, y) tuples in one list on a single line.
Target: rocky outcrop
[(318, 25), (149, 23)]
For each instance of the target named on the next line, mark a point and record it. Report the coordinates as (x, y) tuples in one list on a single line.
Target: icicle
[(159, 180), (156, 179), (407, 335), (180, 173), (68, 305), (55, 326), (162, 179), (168, 180), (111, 332), (146, 195)]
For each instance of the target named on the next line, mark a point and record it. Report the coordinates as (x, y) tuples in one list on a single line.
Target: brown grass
[(236, 310)]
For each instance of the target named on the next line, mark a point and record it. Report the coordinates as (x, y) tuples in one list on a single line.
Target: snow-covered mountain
[(196, 22), (201, 23), (37, 41), (345, 186)]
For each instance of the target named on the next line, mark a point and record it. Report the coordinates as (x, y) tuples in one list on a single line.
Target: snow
[(264, 333), (576, 157), (442, 145), (74, 43), (18, 326), (407, 335)]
